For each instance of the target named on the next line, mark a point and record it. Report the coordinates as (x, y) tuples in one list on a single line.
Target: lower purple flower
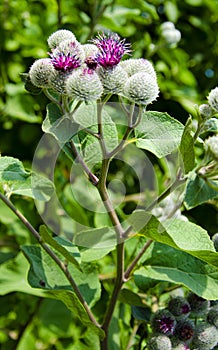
[(163, 322)]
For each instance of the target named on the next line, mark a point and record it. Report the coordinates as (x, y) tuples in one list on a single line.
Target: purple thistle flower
[(111, 48), (66, 57), (163, 322), (166, 325), (65, 62)]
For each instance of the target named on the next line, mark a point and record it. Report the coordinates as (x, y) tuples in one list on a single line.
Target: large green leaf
[(74, 305), (159, 133), (13, 277), (198, 191), (95, 243), (60, 126), (45, 273), (63, 246), (12, 169), (21, 182), (179, 234), (187, 148), (169, 264)]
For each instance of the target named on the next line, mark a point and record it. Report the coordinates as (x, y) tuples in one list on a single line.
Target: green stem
[(50, 97), (136, 260), (92, 177), (50, 252), (178, 182)]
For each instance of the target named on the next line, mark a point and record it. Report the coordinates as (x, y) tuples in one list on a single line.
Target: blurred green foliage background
[(186, 73)]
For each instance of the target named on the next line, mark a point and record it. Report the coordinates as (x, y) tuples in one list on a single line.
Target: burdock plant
[(109, 250)]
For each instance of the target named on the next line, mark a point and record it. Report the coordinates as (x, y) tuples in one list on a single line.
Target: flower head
[(137, 65), (163, 322), (185, 330), (213, 99), (40, 72), (211, 146), (141, 88), (206, 337), (67, 56), (84, 85), (179, 307), (199, 305), (60, 35), (159, 342), (113, 79), (111, 49)]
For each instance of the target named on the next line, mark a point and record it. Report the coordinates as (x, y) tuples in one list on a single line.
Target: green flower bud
[(57, 81), (211, 146), (136, 65), (141, 88), (40, 72), (199, 305), (90, 50), (84, 85), (159, 342), (215, 241), (167, 26), (179, 307), (213, 99), (171, 36), (113, 79), (60, 35), (212, 316), (206, 337), (205, 111)]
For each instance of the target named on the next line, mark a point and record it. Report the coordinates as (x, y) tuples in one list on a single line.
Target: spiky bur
[(136, 65), (111, 49), (40, 72), (215, 241), (60, 35), (57, 81), (141, 88), (163, 322), (199, 306), (206, 337), (212, 316), (84, 85), (180, 346), (185, 330), (159, 342), (213, 99), (179, 307), (211, 146), (113, 79), (67, 57), (205, 111)]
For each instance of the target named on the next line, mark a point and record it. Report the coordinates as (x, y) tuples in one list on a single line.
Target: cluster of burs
[(87, 72), (186, 323)]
